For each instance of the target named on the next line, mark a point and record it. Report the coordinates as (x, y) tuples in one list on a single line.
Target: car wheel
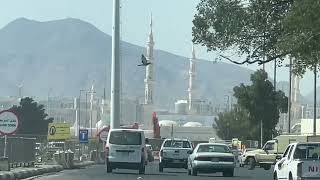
[(267, 167), (160, 167), (228, 173), (251, 163), (275, 176), (142, 169), (194, 172), (290, 177)]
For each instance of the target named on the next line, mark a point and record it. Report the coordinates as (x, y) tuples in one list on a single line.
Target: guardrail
[(20, 151)]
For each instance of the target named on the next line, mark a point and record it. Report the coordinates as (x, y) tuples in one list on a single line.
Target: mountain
[(69, 54)]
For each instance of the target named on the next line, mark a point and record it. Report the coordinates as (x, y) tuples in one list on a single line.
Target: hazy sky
[(172, 22)]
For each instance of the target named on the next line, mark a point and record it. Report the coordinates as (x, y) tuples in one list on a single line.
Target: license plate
[(215, 159), (176, 161)]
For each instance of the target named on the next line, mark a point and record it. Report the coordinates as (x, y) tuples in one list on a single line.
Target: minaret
[(148, 81), (191, 78), (296, 88)]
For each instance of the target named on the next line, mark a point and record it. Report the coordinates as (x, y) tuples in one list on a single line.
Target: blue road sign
[(83, 136)]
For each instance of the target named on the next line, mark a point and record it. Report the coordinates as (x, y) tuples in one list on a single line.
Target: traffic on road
[(127, 155)]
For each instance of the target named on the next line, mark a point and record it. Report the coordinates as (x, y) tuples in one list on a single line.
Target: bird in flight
[(144, 61)]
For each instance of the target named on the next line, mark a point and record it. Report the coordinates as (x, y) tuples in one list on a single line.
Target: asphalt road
[(98, 172)]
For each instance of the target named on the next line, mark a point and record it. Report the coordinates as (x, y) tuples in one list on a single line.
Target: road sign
[(9, 122), (103, 135), (83, 136), (59, 131)]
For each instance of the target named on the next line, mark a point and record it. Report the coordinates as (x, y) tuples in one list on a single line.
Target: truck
[(266, 157), (300, 161)]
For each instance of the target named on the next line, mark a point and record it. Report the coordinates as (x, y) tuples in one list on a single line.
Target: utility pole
[(115, 67), (275, 75), (86, 124), (290, 95), (315, 101), (228, 103)]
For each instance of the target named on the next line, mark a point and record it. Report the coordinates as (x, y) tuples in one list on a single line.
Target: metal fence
[(20, 150)]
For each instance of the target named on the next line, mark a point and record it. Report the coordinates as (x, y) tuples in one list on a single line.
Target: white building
[(193, 131)]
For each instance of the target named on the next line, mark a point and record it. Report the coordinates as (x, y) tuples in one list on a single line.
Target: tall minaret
[(192, 71), (148, 81), (296, 88)]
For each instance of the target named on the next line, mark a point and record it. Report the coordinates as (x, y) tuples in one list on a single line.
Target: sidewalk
[(21, 173)]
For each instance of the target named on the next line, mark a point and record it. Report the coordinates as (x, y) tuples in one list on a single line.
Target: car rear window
[(214, 148), (125, 138), (177, 144), (307, 151)]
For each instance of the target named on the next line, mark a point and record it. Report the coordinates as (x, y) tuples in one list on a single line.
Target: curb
[(26, 173), (83, 164)]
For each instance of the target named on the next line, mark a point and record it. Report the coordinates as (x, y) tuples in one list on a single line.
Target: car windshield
[(307, 151), (177, 144), (214, 148), (125, 138)]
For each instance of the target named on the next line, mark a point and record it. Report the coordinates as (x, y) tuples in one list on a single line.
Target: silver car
[(211, 158)]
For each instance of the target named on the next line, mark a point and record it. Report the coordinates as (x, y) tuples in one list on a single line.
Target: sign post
[(83, 136), (9, 123), (58, 131)]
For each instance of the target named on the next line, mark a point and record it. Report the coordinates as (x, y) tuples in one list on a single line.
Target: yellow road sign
[(59, 131)]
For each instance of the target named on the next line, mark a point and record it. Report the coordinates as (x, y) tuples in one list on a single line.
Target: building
[(148, 107)]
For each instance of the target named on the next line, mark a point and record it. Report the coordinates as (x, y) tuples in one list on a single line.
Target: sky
[(172, 23)]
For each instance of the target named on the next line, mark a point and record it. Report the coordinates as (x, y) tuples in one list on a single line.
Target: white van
[(125, 149)]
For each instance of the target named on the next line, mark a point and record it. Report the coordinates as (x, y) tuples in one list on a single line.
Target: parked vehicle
[(266, 157), (125, 149), (211, 158), (174, 153), (300, 161)]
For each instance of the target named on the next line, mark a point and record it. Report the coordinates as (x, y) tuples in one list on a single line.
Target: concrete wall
[(191, 133), (307, 126)]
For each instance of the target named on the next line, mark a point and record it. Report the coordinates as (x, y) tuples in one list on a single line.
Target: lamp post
[(315, 101), (115, 68)]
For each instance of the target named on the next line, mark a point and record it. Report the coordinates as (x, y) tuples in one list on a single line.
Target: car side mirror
[(147, 140), (278, 157), (189, 152)]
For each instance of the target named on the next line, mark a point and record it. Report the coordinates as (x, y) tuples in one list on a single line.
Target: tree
[(251, 28), (261, 28), (33, 119), (302, 34), (232, 124), (262, 102), (256, 102)]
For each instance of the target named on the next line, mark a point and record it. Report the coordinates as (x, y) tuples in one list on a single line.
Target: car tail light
[(299, 169)]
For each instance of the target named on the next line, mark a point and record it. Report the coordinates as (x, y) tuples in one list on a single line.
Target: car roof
[(176, 139), (134, 130), (304, 143), (212, 144)]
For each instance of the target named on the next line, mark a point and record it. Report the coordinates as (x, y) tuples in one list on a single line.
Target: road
[(98, 172)]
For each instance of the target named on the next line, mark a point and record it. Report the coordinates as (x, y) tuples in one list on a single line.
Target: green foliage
[(255, 103), (232, 124), (302, 34), (261, 28), (251, 28), (33, 119)]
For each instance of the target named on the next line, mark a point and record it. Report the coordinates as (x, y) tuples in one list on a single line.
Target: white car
[(211, 158), (300, 161), (125, 149), (174, 153)]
